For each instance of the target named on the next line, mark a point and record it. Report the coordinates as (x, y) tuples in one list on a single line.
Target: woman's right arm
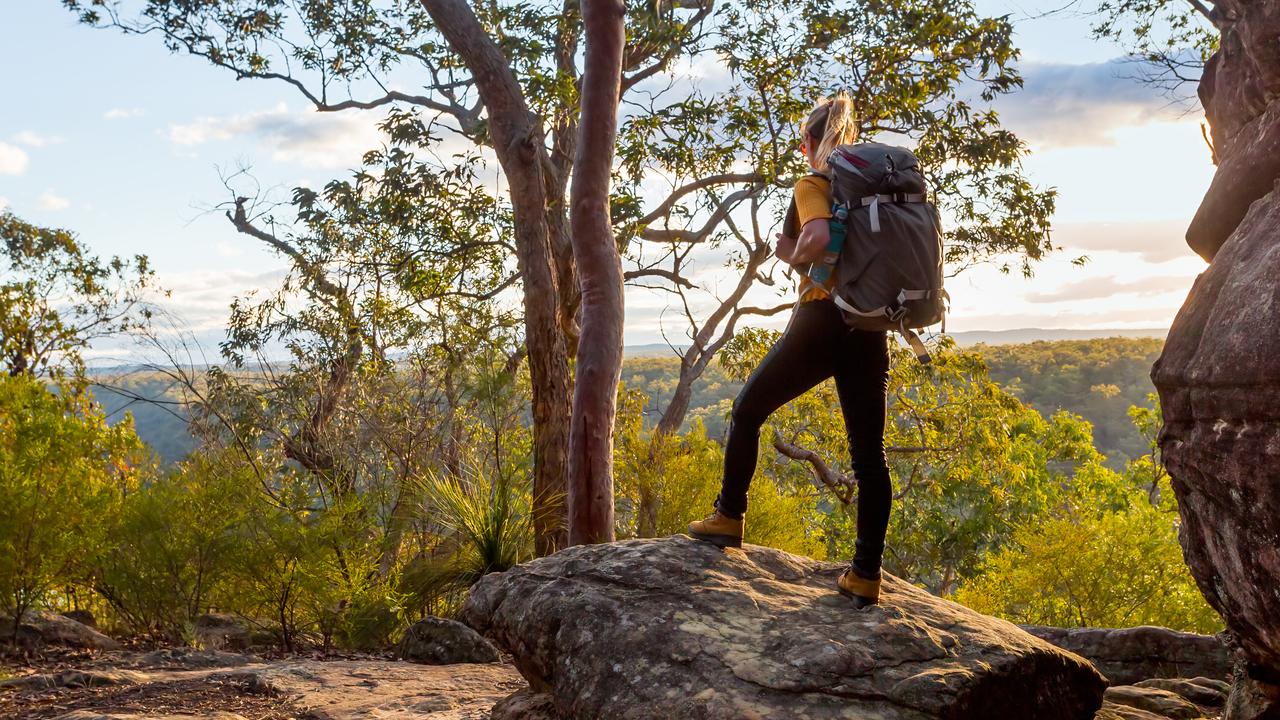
[(813, 241), (786, 248)]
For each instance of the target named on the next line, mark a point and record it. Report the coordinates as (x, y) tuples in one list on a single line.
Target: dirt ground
[(191, 697), (184, 683)]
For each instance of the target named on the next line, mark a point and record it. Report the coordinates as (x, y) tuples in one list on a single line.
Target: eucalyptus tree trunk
[(518, 143), (595, 251)]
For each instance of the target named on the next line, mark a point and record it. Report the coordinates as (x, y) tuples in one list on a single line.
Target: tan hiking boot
[(718, 530), (862, 591)]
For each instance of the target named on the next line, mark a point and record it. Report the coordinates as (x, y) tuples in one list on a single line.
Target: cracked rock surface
[(676, 628)]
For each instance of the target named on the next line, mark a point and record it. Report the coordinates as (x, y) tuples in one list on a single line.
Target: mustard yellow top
[(813, 201)]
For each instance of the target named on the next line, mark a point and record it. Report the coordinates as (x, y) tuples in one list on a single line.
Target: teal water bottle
[(819, 272)]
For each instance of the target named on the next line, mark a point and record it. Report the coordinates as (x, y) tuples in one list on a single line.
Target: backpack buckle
[(898, 313)]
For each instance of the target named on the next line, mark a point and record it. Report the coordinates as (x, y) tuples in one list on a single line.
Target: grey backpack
[(886, 243)]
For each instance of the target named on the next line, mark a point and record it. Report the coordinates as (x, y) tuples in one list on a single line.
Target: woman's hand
[(812, 243), (786, 248)]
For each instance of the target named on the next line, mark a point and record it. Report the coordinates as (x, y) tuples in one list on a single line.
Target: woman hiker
[(815, 346)]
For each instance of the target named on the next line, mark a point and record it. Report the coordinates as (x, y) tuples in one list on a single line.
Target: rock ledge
[(677, 628)]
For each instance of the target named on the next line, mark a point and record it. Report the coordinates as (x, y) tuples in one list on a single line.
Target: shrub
[(63, 474), (1114, 569)]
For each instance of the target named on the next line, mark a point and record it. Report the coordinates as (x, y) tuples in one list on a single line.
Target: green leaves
[(56, 298), (63, 475), (1119, 568)]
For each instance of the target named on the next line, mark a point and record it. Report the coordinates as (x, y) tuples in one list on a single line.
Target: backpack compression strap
[(873, 202), (897, 314)]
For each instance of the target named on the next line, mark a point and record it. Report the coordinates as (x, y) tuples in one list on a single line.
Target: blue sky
[(119, 140)]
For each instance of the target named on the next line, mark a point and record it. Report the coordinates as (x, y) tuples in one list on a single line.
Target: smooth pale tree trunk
[(595, 251), (518, 143)]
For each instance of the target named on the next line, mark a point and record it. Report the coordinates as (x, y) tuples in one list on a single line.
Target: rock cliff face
[(675, 628), (1219, 376)]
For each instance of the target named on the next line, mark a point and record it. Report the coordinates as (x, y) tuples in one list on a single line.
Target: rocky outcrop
[(438, 641), (1219, 375), (40, 628), (1239, 91), (1128, 655), (1176, 699), (676, 628)]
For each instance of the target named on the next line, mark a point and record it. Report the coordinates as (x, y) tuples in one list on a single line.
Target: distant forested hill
[(1098, 379), (146, 395)]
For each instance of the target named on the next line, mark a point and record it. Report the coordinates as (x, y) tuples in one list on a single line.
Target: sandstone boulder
[(1128, 655), (220, 631), (439, 641), (1205, 692), (84, 617), (1155, 701), (525, 705), (1219, 374), (73, 679), (46, 628), (676, 628)]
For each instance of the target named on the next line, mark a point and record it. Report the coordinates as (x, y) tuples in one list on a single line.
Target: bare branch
[(658, 272), (665, 208), (692, 236), (842, 485)]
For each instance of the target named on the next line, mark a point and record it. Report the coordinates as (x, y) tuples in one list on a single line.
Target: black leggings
[(815, 346)]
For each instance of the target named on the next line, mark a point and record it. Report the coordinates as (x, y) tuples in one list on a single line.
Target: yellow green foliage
[(662, 483), (1115, 569), (63, 474)]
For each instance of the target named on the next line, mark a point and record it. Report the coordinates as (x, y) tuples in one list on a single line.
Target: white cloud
[(31, 139), (1066, 105), (1112, 286), (122, 113), (1154, 241), (201, 299), (49, 201), (309, 138), (13, 160), (4, 203)]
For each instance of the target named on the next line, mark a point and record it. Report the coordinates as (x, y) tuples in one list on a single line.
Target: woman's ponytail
[(830, 123)]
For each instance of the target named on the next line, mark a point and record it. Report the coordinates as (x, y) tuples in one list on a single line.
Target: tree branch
[(671, 275), (692, 236), (842, 485)]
